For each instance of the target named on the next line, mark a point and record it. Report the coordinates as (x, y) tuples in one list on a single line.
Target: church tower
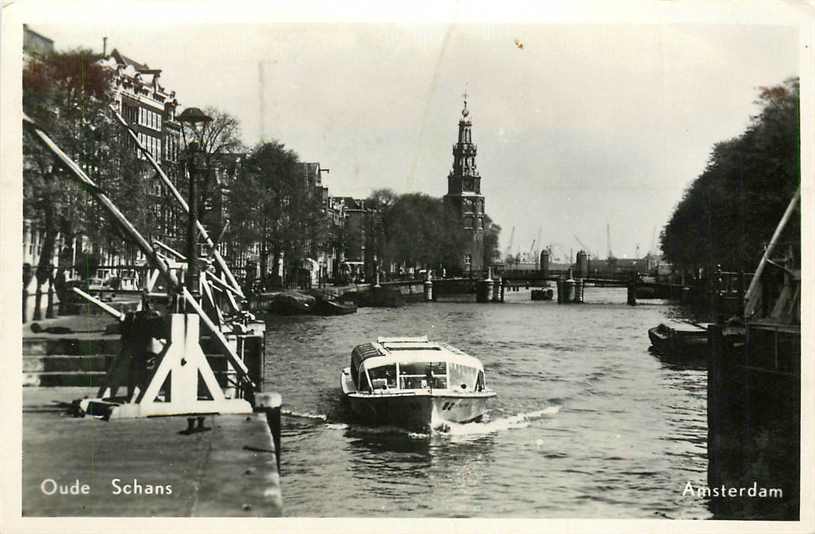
[(464, 196)]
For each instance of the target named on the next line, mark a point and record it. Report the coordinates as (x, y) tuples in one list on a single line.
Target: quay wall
[(754, 399)]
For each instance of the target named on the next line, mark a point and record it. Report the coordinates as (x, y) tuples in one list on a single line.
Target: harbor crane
[(511, 242), (582, 244)]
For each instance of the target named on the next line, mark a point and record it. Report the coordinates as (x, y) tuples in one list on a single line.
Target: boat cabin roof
[(387, 351)]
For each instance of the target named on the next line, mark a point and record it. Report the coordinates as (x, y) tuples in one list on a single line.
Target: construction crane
[(582, 244), (511, 242)]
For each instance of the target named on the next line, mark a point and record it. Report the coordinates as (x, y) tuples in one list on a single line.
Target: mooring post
[(428, 287), (502, 290), (27, 276), (632, 291)]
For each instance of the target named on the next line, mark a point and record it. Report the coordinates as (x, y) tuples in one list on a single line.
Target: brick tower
[(464, 196)]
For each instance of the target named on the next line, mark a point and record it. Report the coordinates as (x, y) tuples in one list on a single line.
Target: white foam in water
[(388, 429), (304, 415), (521, 420)]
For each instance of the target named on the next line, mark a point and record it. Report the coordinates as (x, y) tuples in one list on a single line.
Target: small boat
[(324, 305), (290, 303), (414, 383), (680, 339)]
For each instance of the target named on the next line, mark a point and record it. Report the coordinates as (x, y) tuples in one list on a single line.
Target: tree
[(492, 232), (66, 94), (273, 204), (216, 139), (420, 231), (730, 211)]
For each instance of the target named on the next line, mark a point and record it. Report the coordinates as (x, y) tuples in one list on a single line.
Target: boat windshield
[(464, 377), (423, 375), (383, 377)]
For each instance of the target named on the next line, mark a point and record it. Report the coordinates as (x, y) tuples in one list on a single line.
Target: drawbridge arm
[(79, 175), (181, 201)]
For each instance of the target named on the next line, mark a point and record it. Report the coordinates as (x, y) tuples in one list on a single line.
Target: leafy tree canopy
[(730, 211)]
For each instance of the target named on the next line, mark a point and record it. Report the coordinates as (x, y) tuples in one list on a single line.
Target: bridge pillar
[(428, 288), (483, 289), (498, 290), (569, 297)]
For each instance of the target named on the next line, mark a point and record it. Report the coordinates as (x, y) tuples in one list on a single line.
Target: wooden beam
[(753, 294), (181, 201), (237, 363), (110, 310), (103, 199)]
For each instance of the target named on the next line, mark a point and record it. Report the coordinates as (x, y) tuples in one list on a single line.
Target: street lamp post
[(193, 160)]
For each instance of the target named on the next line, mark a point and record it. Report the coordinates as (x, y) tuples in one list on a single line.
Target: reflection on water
[(587, 423)]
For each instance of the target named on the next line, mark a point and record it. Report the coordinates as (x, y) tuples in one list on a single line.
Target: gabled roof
[(124, 60)]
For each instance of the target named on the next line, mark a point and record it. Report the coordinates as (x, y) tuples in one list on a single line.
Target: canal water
[(587, 422)]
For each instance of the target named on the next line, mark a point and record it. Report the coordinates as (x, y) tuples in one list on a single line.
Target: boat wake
[(440, 427), (304, 415), (521, 420)]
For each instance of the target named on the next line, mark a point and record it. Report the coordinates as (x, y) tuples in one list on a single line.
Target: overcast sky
[(585, 125)]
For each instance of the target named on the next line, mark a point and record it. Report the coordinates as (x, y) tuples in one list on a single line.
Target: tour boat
[(680, 339), (414, 383)]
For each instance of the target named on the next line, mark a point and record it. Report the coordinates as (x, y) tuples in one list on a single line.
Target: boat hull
[(679, 345), (331, 307), (420, 410)]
